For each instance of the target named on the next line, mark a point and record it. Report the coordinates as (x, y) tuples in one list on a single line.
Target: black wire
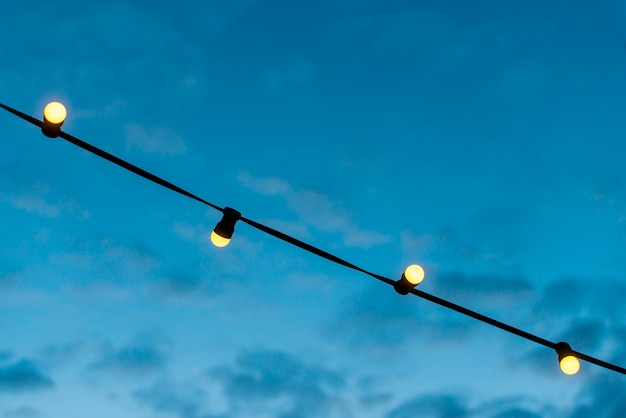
[(115, 160), (133, 168), (315, 250)]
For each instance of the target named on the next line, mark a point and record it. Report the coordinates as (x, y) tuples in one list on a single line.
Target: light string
[(563, 349)]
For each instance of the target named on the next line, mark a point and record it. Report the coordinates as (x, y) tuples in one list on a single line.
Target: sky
[(482, 140)]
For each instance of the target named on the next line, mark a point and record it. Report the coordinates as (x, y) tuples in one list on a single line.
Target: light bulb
[(414, 274), (569, 365), (55, 113), (221, 235), (218, 240)]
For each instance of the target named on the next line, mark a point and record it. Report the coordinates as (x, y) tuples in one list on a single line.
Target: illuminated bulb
[(55, 113), (568, 362), (569, 365), (53, 117), (223, 232), (414, 274), (218, 240)]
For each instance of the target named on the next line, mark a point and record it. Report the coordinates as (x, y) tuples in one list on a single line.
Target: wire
[(133, 168), (312, 249), (115, 160)]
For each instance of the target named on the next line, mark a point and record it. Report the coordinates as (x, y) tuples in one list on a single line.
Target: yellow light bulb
[(569, 365), (218, 240), (55, 112), (414, 274)]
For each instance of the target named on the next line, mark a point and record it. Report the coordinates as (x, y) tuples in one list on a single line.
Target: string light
[(568, 362), (223, 232), (54, 115), (412, 276)]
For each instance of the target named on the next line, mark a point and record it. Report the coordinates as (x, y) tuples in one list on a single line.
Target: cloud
[(439, 406), (22, 412), (27, 191), (492, 290), (587, 335), (605, 393), (166, 397), (134, 360), (178, 285), (104, 262), (375, 316), (159, 140), (278, 384), (587, 316), (34, 200), (316, 210), (269, 186), (581, 297), (23, 376), (455, 405), (39, 198), (378, 318)]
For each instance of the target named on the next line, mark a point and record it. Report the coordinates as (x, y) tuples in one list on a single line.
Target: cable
[(133, 168), (115, 160), (315, 250)]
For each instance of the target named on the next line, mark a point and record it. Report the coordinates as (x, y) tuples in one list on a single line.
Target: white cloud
[(37, 199), (270, 186), (157, 140), (316, 210)]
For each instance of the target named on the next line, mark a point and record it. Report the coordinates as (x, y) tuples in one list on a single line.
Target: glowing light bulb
[(414, 274), (569, 365), (221, 235), (218, 240), (55, 113)]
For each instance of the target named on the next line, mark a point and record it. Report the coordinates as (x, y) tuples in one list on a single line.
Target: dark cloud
[(380, 317), (512, 407), (375, 316), (5, 355), (23, 376), (22, 412), (585, 335), (262, 378), (565, 296), (458, 406), (169, 398), (573, 296), (439, 406), (178, 285), (516, 412), (136, 360), (602, 396)]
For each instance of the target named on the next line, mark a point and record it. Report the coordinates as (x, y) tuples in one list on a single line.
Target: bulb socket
[(226, 227), (563, 349), (49, 129), (402, 286)]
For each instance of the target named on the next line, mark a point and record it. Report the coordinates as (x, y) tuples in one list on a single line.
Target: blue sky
[(484, 141)]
